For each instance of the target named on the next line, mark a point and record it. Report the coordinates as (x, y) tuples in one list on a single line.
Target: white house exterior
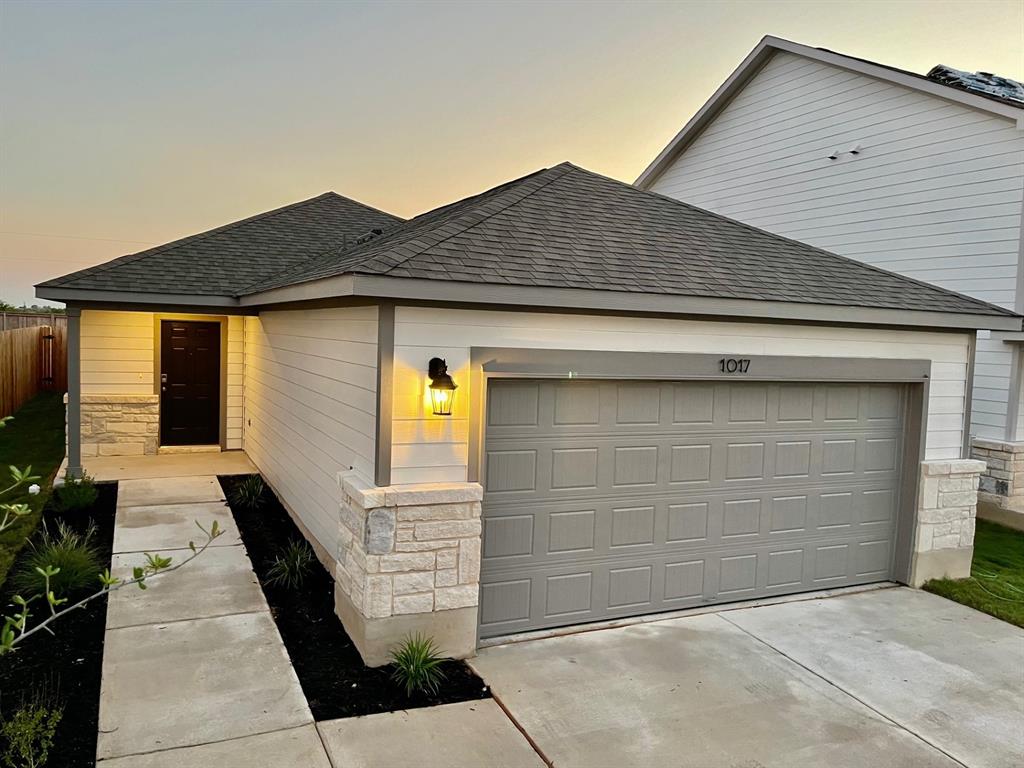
[(888, 167), (656, 408)]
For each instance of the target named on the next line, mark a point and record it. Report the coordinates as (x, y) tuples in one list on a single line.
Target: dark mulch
[(67, 663), (333, 676)]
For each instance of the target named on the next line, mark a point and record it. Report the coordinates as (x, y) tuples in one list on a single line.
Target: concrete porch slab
[(948, 673), (170, 490), (220, 582), (194, 682), (171, 526), (106, 468), (296, 747), (690, 692), (466, 735)]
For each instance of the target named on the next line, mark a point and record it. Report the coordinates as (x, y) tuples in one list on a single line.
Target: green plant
[(292, 565), (17, 628), (29, 732), (75, 556), (75, 495), (249, 493), (417, 665)]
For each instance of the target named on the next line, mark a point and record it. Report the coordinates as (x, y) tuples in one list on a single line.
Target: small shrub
[(249, 494), (28, 733), (75, 554), (75, 495), (292, 565), (417, 665)]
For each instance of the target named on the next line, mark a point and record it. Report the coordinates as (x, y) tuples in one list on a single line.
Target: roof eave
[(416, 290), (757, 58), (83, 296)]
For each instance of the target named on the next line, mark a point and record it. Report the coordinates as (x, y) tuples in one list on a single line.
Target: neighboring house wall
[(429, 449), (120, 396), (935, 192), (310, 407)]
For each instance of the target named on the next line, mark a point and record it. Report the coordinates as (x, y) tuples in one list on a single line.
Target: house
[(563, 400), (921, 175)]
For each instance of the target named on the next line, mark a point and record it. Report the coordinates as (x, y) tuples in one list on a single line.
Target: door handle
[(163, 382)]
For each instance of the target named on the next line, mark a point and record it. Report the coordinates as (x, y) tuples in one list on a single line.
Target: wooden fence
[(32, 359), (12, 320)]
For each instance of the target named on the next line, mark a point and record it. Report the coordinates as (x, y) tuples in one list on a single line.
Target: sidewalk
[(194, 670)]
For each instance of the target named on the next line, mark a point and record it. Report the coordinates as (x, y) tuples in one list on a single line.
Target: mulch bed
[(68, 663), (330, 670)]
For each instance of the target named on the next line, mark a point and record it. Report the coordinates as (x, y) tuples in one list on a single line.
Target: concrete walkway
[(892, 677), (194, 670)]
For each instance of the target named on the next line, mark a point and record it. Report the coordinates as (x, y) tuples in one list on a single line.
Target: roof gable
[(768, 46), (226, 260)]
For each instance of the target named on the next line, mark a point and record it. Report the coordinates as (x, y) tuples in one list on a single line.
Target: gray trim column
[(74, 413), (972, 353), (385, 392)]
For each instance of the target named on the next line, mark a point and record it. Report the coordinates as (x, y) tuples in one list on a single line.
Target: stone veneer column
[(119, 425), (409, 561), (944, 539), (1002, 483)]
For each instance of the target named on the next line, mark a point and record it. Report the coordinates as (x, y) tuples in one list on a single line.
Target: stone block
[(407, 561), (930, 492), (433, 493), (423, 603), (948, 541), (364, 494), (447, 577), (923, 540), (411, 583), (967, 533), (469, 561), (446, 598), (958, 498), (127, 427), (377, 603), (425, 546), (447, 529), (380, 531), (440, 512), (956, 483)]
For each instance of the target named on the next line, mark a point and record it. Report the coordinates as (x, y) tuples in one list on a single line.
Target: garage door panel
[(609, 499)]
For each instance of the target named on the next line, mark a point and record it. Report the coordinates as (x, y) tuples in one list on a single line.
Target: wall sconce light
[(442, 388)]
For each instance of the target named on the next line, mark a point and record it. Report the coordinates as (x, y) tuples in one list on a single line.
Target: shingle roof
[(226, 260), (566, 227)]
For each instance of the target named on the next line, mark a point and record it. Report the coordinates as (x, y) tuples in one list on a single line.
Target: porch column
[(74, 392)]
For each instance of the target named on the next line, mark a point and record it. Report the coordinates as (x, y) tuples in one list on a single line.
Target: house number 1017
[(734, 364)]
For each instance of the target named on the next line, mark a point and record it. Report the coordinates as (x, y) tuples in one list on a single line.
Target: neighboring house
[(658, 407), (922, 175)]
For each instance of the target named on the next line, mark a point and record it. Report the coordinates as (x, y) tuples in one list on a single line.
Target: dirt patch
[(330, 670), (67, 663)]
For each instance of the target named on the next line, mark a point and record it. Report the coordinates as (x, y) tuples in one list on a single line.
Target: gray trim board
[(416, 290), (74, 412), (1013, 392), (916, 426), (80, 295), (385, 392), (972, 351)]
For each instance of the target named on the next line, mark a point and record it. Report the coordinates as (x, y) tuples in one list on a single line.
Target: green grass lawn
[(996, 585), (35, 436)]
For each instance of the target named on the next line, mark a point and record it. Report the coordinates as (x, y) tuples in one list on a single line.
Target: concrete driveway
[(891, 677)]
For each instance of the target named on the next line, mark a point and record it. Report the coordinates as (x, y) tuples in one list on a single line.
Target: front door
[(189, 383)]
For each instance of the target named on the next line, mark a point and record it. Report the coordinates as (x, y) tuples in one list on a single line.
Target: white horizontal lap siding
[(235, 382), (426, 448), (117, 352), (310, 406), (935, 193)]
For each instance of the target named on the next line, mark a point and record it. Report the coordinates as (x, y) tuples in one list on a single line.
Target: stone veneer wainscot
[(409, 561), (120, 425)]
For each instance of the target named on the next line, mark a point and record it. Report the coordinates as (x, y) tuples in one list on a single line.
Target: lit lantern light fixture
[(442, 388)]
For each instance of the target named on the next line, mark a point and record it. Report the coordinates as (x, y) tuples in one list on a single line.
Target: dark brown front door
[(189, 383)]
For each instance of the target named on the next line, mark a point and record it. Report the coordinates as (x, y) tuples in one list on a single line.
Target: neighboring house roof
[(967, 89), (566, 227), (225, 260)]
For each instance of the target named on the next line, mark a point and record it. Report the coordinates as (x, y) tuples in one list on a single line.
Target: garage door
[(606, 499)]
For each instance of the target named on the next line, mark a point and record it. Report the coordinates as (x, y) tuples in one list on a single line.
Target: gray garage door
[(606, 499)]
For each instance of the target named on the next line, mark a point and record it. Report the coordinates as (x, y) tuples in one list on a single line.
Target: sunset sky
[(127, 124)]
